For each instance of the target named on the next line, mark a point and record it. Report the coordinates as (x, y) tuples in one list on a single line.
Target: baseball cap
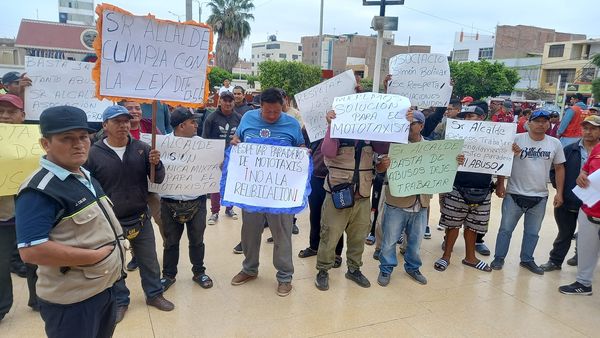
[(10, 77), (59, 119), (227, 95), (539, 113), (12, 99), (471, 110), (418, 116), (593, 108), (181, 114), (594, 120), (466, 99), (114, 111), (256, 101)]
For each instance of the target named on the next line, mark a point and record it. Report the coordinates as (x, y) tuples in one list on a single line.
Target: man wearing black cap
[(15, 83), (122, 165), (66, 225), (221, 125), (527, 189), (178, 211)]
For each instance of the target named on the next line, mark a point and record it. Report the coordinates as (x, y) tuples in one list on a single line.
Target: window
[(568, 75), (267, 55), (295, 57), (486, 53), (258, 46), (556, 51), (273, 46), (299, 48), (587, 74), (460, 55), (282, 56)]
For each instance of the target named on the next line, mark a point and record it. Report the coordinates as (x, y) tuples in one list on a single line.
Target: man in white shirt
[(527, 189), (226, 87), (178, 211)]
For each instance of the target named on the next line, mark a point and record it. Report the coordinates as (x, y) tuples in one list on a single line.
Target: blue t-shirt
[(286, 128)]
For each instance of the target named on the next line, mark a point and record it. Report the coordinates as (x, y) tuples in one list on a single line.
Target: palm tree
[(229, 19)]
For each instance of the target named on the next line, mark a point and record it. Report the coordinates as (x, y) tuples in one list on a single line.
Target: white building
[(79, 12), (529, 69), (472, 47), (276, 51)]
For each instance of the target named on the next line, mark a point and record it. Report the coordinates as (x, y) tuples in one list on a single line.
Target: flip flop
[(441, 264), (481, 265), (370, 240), (308, 252)]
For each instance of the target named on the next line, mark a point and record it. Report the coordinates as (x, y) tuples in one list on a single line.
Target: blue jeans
[(511, 213), (144, 246), (395, 222)]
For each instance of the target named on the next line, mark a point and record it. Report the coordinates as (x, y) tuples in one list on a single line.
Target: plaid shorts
[(456, 212)]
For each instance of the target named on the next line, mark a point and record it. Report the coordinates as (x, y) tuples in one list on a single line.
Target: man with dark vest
[(66, 225)]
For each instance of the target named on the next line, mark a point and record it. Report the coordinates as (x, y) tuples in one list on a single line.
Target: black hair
[(455, 103), (240, 88), (579, 97), (272, 95)]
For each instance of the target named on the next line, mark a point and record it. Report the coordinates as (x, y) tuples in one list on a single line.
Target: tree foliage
[(482, 79), (217, 75), (293, 77), (229, 20)]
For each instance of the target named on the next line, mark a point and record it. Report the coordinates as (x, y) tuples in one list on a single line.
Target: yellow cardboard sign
[(20, 153)]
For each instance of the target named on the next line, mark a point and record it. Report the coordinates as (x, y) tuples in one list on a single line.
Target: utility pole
[(320, 54), (188, 10)]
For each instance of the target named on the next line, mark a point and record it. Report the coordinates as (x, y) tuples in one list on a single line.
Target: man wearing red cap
[(467, 100)]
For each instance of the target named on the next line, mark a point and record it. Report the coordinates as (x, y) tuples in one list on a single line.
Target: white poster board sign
[(153, 59), (192, 164), (314, 102), (422, 77), (57, 82), (263, 175), (488, 145), (371, 116), (590, 195)]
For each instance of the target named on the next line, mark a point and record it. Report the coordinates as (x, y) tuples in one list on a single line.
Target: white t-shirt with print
[(531, 168)]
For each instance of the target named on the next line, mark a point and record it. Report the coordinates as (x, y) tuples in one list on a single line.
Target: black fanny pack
[(132, 227), (473, 195), (184, 212), (342, 195), (526, 202)]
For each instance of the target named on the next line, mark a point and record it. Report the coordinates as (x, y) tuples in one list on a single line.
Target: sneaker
[(482, 249), (416, 275), (295, 229), (383, 279), (284, 289), (531, 266), (241, 278), (322, 280), (166, 282), (497, 263), (357, 277), (132, 265), (549, 266), (160, 303), (229, 213), (238, 249), (572, 261), (213, 219), (427, 234), (376, 254), (576, 289)]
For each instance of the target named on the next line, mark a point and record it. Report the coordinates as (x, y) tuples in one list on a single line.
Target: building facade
[(274, 50), (472, 47), (520, 40), (78, 12)]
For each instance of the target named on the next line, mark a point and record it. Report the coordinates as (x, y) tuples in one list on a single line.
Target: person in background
[(14, 83), (505, 113), (241, 105), (226, 87), (554, 124), (452, 111), (522, 123), (289, 109), (162, 116), (466, 101), (593, 110), (569, 130)]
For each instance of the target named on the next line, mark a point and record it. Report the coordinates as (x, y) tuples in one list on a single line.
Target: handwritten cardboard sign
[(57, 82), (371, 116), (268, 178), (20, 153), (146, 58), (314, 102), (488, 145), (192, 164), (422, 77), (426, 167)]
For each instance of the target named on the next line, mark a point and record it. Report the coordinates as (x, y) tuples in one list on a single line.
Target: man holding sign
[(268, 125)]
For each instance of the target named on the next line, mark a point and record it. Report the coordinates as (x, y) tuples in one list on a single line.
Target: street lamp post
[(200, 3)]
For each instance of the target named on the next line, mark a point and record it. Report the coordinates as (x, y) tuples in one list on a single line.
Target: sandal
[(481, 265), (338, 262), (370, 240), (441, 264), (308, 252), (203, 280)]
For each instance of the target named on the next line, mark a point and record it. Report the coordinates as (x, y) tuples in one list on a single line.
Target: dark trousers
[(566, 220), (144, 246), (315, 202), (173, 231), (93, 317), (7, 245)]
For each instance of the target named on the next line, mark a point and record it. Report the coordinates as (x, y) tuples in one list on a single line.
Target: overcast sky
[(427, 22)]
